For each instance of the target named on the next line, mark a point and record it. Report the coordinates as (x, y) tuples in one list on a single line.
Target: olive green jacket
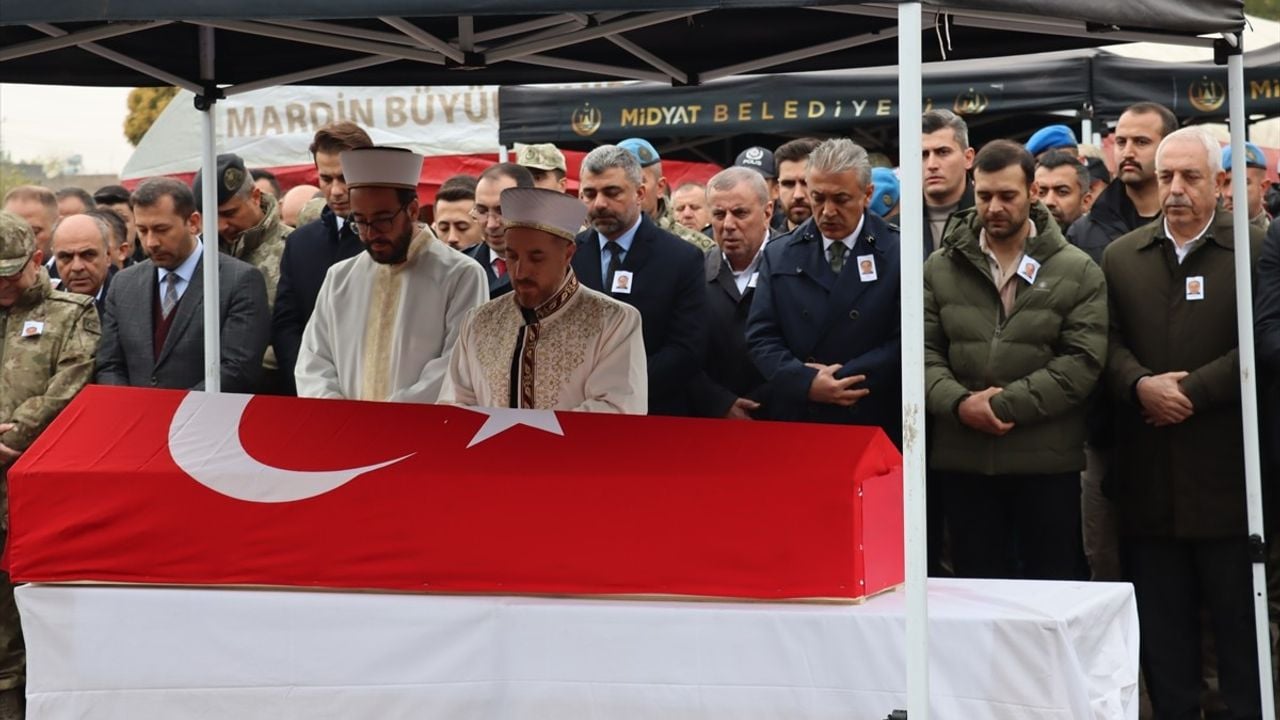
[(1047, 354)]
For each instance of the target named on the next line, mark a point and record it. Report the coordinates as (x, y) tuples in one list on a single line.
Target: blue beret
[(644, 151), (1253, 157), (887, 190), (1051, 137)]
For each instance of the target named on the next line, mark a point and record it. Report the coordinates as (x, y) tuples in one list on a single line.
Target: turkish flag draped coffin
[(170, 487)]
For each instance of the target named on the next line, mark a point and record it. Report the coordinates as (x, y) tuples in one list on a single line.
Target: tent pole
[(1086, 130), (1248, 372), (209, 215), (910, 108)]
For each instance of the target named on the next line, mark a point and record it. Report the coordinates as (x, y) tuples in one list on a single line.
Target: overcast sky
[(38, 122)]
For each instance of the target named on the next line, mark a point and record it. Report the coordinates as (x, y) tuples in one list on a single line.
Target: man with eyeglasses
[(386, 321), (488, 212), (824, 325), (48, 340)]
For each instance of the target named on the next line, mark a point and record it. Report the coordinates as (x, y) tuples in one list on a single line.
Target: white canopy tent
[(43, 41)]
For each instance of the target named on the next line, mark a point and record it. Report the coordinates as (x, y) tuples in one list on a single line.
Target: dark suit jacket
[(728, 373), (1266, 300), (667, 289), (481, 253), (802, 313), (308, 253), (127, 357)]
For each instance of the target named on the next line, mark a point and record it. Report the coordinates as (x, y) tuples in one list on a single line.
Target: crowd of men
[(1080, 329)]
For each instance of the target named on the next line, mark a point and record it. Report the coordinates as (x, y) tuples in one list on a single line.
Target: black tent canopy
[(505, 42), (217, 47)]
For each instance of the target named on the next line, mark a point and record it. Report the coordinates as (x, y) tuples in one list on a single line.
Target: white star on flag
[(502, 419)]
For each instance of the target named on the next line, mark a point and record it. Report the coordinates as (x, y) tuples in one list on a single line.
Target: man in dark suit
[(312, 248), (627, 256), (730, 385), (153, 319), (82, 254), (824, 322), (491, 254)]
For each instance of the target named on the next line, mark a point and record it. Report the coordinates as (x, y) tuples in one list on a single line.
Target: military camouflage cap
[(543, 156), (231, 176), (17, 242)]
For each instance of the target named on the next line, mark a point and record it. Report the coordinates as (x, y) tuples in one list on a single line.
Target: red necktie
[(499, 267)]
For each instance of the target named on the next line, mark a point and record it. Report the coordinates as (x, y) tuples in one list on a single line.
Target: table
[(999, 649)]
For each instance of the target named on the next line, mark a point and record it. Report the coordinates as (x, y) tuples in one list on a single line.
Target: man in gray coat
[(153, 318)]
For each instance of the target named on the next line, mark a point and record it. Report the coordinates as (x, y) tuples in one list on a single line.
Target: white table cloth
[(998, 649)]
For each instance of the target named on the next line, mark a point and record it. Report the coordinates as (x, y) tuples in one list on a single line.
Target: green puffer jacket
[(1047, 354)]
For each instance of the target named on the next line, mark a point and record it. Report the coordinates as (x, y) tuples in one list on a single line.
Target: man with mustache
[(1015, 340), (1129, 202), (1178, 467), (386, 320), (550, 344), (627, 256)]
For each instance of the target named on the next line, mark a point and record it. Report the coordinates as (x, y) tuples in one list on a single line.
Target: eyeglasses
[(380, 225), (480, 213)]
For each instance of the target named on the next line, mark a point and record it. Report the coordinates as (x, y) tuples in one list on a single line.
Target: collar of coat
[(1220, 232), (963, 238)]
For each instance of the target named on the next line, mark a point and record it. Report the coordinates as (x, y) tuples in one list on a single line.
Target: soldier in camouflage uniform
[(655, 200), (546, 163), (47, 344), (250, 229)]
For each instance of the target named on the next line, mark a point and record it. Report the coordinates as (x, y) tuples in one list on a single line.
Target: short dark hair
[(795, 150), (1000, 154), (111, 195), (460, 181), (1061, 158), (114, 220), (260, 174), (406, 195), (78, 193), (151, 190), (935, 120), (1168, 121), (457, 192), (519, 173), (339, 136)]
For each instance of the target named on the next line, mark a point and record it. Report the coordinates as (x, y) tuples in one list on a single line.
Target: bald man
[(82, 254)]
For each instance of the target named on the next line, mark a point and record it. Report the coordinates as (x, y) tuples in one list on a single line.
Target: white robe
[(384, 332), (585, 353)]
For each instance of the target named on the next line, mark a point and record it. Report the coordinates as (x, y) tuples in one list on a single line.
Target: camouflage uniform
[(47, 344), (262, 247), (311, 211), (667, 221), (541, 156)]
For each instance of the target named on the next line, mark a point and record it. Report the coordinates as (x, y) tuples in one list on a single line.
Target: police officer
[(47, 340)]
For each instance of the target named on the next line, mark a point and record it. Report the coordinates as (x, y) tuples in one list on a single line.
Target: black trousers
[(1014, 526), (1174, 580)]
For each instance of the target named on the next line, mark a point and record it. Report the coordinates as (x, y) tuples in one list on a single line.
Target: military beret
[(644, 151), (887, 191), (231, 177), (1051, 137), (1253, 157)]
